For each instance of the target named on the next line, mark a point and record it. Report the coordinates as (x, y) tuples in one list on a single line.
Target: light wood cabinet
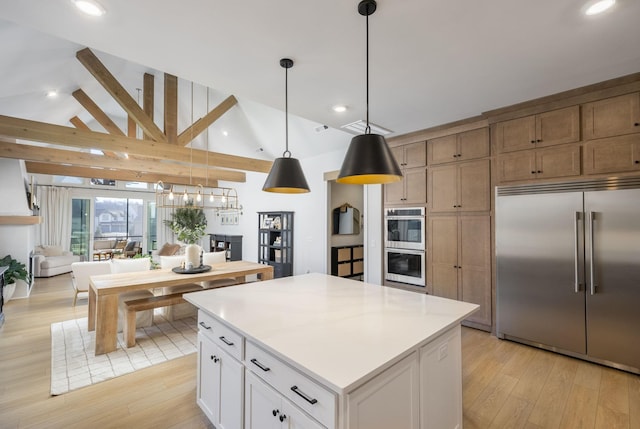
[(460, 261), (612, 155), (464, 146), (463, 187), (539, 164), (545, 129), (412, 189), (611, 117)]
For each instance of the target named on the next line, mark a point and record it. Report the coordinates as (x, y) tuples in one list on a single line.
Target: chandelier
[(222, 200)]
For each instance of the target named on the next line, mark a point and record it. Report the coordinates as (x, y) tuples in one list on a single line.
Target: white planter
[(192, 255), (8, 290)]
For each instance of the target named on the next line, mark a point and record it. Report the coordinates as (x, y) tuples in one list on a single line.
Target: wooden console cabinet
[(347, 261)]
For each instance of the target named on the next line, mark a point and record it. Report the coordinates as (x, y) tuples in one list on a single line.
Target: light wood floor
[(505, 385)]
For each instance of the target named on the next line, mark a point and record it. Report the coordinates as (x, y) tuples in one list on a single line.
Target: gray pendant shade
[(286, 177), (369, 161)]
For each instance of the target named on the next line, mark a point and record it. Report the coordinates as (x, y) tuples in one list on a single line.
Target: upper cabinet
[(463, 187), (612, 155), (459, 147), (541, 130), (611, 117), (412, 189)]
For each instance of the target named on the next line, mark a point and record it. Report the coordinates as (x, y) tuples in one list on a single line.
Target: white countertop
[(336, 330)]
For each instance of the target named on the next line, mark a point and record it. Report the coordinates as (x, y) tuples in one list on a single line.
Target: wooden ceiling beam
[(131, 127), (99, 173), (148, 97), (203, 123), (97, 113), (171, 108), (84, 159), (56, 134), (79, 124), (117, 91)]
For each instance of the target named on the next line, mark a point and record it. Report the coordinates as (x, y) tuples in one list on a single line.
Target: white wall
[(15, 240), (311, 217)]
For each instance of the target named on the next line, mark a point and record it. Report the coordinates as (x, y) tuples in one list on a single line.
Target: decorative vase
[(8, 291), (192, 255)]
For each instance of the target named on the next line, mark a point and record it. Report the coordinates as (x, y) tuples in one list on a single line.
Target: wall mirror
[(346, 220)]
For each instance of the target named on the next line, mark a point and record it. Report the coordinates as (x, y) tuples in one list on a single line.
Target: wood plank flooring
[(505, 384)]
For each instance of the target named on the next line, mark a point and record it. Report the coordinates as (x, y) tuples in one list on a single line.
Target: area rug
[(74, 365)]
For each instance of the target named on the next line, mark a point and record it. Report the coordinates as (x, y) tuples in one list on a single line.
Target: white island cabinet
[(316, 351)]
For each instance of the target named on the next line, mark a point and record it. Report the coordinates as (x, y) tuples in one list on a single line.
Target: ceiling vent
[(358, 127)]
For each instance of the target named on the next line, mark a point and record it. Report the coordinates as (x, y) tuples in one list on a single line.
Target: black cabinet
[(231, 244), (347, 261), (275, 242)]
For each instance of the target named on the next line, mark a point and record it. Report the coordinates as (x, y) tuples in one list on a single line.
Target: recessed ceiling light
[(52, 94), (599, 7), (339, 108), (224, 133), (90, 7)]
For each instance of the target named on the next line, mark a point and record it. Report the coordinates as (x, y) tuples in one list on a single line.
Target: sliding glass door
[(80, 227)]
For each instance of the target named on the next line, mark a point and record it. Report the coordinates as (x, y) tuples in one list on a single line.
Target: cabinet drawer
[(226, 338), (344, 254), (344, 269), (313, 398), (358, 267), (358, 252)]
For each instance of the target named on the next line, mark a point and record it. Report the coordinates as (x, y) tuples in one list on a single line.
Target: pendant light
[(368, 160), (286, 176)]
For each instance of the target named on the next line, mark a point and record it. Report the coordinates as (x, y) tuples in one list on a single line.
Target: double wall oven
[(405, 245)]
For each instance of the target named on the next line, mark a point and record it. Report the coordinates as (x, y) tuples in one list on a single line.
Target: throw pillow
[(168, 249), (48, 250), (130, 245)]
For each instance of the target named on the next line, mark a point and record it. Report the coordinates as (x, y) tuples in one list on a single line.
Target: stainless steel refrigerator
[(568, 269)]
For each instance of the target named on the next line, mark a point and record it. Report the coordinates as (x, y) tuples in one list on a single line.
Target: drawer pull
[(259, 365), (224, 340), (204, 325), (298, 392)]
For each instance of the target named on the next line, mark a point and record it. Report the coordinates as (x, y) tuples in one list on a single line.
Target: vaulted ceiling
[(431, 62)]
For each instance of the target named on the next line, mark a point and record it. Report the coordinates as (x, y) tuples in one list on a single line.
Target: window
[(80, 236), (120, 218)]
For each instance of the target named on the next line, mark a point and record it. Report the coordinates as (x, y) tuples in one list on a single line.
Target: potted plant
[(189, 224), (15, 271)]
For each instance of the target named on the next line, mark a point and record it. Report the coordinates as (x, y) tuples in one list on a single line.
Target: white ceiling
[(431, 62)]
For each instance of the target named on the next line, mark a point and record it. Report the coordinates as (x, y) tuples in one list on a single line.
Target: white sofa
[(52, 260)]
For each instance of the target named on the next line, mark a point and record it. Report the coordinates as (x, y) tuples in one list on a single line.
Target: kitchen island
[(317, 351)]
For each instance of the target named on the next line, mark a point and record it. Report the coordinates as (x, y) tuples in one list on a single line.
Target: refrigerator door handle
[(576, 252), (592, 262)]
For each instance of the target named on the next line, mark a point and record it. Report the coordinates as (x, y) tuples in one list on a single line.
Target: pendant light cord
[(286, 113), (367, 130)]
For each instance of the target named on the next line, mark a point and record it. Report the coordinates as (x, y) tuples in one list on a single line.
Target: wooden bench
[(141, 304)]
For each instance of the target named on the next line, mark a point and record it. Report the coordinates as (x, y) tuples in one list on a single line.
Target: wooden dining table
[(104, 291)]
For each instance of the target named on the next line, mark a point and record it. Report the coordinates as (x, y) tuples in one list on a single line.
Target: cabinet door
[(475, 263), (398, 154), (415, 155), (394, 192), (292, 418), (390, 400), (263, 405), (516, 134), (516, 166), (443, 254), (441, 382), (558, 127), (558, 162), (474, 186), (208, 386), (473, 144), (611, 117), (443, 182), (612, 155), (443, 149), (231, 392), (415, 185)]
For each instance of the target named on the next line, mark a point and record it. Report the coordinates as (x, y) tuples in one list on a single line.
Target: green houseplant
[(15, 271), (188, 224)]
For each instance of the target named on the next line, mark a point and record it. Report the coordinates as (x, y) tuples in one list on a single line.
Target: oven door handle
[(400, 250)]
